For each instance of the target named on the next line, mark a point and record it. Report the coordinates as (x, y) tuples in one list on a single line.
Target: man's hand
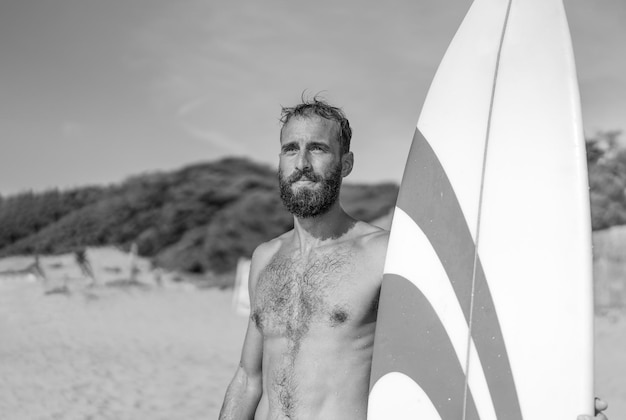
[(600, 407)]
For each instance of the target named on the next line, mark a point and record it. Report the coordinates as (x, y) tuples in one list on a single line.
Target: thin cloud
[(186, 115), (215, 138), (190, 106)]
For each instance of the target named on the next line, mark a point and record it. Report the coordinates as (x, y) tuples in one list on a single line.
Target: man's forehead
[(311, 125)]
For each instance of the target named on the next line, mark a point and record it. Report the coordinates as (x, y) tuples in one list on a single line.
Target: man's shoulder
[(266, 250), (261, 257), (371, 249), (370, 242), (371, 236)]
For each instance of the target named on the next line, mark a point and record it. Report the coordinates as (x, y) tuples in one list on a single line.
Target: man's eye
[(289, 149)]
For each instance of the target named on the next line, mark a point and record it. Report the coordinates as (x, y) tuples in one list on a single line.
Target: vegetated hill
[(23, 214), (201, 217)]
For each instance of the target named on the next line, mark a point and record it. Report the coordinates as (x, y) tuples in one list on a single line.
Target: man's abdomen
[(328, 378)]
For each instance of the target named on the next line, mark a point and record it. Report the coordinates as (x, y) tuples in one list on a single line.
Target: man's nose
[(303, 161)]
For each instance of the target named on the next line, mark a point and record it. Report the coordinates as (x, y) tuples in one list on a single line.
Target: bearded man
[(313, 290)]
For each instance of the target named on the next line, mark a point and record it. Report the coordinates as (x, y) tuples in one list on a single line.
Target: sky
[(95, 91)]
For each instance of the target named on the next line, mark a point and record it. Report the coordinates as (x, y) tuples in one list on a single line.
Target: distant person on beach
[(80, 256), (313, 290)]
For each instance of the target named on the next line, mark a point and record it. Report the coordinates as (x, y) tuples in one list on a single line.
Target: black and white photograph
[(295, 210)]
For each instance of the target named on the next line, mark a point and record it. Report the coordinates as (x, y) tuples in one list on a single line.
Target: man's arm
[(244, 392)]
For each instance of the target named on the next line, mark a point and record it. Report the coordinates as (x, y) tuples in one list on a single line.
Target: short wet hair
[(319, 107)]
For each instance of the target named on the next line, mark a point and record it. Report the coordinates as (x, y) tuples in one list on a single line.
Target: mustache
[(306, 175)]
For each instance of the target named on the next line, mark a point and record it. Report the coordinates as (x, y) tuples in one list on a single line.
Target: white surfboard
[(486, 308)]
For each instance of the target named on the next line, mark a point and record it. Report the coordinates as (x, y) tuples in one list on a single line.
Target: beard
[(309, 202)]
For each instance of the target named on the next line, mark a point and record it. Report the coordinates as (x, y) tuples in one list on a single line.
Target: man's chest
[(326, 290)]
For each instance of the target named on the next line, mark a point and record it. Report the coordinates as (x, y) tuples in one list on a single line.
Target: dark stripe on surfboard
[(429, 359), (428, 197)]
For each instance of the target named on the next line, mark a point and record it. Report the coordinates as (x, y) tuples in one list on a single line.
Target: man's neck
[(314, 231)]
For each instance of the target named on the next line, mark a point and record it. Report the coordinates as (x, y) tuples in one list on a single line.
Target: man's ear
[(347, 162)]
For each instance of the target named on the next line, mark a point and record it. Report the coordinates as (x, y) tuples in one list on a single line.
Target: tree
[(606, 159)]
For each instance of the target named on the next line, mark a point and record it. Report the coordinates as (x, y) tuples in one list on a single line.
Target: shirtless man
[(313, 290)]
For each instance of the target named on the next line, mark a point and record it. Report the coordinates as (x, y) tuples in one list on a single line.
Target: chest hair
[(292, 293)]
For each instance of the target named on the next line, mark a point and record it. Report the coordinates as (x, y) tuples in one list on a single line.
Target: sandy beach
[(115, 354), (130, 353)]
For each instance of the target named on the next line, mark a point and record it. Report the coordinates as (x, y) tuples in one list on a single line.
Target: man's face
[(311, 166)]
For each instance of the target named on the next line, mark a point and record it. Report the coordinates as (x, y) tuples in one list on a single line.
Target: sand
[(115, 353), (157, 353)]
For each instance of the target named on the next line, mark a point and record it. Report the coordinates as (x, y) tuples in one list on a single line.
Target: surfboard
[(486, 307)]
